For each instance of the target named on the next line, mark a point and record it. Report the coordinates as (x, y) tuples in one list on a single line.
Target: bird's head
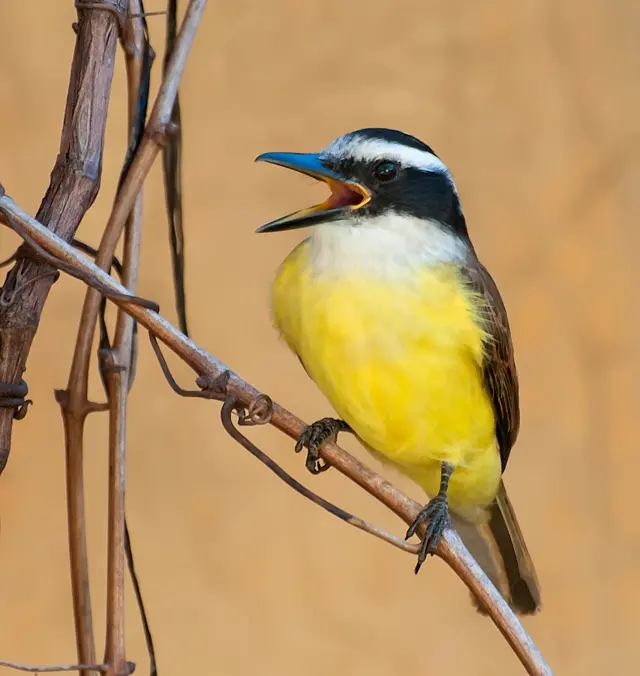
[(372, 173)]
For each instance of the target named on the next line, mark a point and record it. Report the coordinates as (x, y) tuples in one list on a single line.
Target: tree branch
[(119, 361), (74, 401), (100, 668), (450, 548), (75, 182)]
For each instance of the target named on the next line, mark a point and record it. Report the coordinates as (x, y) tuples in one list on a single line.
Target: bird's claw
[(314, 436), (437, 513)]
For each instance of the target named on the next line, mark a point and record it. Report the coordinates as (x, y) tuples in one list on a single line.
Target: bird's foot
[(314, 436), (437, 513)]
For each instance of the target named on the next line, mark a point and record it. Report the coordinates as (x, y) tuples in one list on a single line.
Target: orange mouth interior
[(343, 195)]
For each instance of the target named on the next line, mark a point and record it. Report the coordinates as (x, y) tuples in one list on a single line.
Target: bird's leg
[(317, 434), (437, 512)]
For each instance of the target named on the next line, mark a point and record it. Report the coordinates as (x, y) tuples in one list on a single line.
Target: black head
[(373, 171)]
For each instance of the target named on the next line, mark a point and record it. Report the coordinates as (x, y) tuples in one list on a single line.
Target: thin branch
[(139, 59), (117, 376), (100, 668), (259, 412), (450, 548), (74, 402), (172, 171), (119, 359), (125, 201)]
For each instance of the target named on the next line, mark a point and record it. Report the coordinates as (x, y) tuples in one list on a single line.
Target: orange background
[(534, 106)]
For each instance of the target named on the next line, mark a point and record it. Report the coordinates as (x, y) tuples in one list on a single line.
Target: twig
[(125, 201), (172, 171), (74, 402), (100, 668), (450, 548), (139, 59), (118, 362), (117, 376)]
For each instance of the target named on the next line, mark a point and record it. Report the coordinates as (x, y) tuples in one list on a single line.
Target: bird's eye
[(385, 171)]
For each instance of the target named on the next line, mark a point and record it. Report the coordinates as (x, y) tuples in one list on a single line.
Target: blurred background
[(534, 106)]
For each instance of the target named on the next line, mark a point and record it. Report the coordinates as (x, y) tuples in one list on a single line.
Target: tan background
[(534, 105)]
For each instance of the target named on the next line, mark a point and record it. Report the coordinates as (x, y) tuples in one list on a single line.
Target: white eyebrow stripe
[(368, 149)]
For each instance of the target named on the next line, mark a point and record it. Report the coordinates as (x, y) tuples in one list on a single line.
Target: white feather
[(391, 245), (369, 149)]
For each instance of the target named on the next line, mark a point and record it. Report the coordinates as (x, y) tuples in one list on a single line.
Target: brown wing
[(499, 368)]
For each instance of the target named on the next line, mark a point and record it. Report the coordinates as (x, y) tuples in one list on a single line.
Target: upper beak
[(346, 194)]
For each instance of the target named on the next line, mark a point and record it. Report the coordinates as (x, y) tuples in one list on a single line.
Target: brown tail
[(500, 550), (524, 589)]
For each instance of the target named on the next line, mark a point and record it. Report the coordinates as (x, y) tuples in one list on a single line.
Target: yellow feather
[(400, 360)]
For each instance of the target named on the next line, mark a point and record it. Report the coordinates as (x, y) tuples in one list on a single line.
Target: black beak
[(346, 195)]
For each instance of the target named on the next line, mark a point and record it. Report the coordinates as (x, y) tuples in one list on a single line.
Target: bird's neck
[(384, 246)]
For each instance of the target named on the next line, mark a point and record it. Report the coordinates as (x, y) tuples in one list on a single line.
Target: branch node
[(110, 362), (214, 387), (116, 7)]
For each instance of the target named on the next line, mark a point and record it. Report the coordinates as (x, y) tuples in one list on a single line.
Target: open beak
[(346, 195)]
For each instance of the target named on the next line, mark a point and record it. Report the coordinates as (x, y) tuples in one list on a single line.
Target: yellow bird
[(402, 328)]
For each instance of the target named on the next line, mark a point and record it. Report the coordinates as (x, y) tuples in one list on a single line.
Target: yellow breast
[(400, 361)]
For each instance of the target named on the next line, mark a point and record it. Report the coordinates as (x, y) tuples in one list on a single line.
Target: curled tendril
[(258, 412)]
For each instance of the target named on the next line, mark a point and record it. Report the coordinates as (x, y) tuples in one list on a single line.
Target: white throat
[(391, 245)]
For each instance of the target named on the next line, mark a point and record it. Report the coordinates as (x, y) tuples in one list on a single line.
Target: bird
[(393, 316)]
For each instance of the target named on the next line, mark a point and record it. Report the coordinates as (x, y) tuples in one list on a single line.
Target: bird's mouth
[(346, 195)]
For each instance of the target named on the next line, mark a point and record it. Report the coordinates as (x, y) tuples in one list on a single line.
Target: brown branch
[(118, 363), (125, 200), (259, 412), (100, 668), (75, 182), (450, 548), (117, 377), (74, 401)]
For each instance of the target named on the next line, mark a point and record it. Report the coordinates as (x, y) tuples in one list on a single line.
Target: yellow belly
[(400, 361)]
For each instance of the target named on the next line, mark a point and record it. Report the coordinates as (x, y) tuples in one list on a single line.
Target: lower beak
[(346, 195)]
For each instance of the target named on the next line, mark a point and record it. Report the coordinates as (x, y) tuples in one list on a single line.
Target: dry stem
[(117, 374), (100, 668), (74, 184), (75, 180), (74, 402), (451, 548)]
